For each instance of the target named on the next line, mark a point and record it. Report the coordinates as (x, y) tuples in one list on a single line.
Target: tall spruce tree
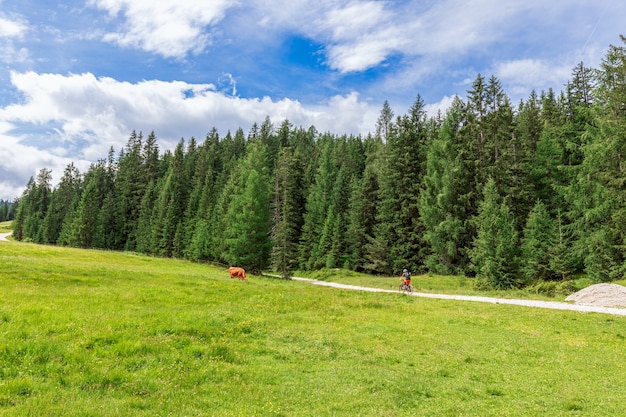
[(384, 124), (87, 228), (144, 234), (527, 130), (537, 243), (170, 208), (287, 215), (131, 183), (362, 207), (495, 253), (247, 233), (63, 203), (561, 262), (202, 197), (445, 201), (24, 210), (399, 223), (317, 206)]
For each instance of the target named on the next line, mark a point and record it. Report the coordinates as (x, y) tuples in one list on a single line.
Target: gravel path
[(555, 305), (3, 236)]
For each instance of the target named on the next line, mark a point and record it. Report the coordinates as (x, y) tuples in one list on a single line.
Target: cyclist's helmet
[(405, 270)]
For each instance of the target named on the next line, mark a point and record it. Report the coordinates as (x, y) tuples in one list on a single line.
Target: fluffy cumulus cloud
[(361, 35), (168, 28), (83, 104), (80, 117)]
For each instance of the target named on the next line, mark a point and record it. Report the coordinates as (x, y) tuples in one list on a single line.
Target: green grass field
[(94, 333), (5, 227)]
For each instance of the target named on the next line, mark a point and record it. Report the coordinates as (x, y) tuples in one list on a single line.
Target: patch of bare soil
[(605, 295)]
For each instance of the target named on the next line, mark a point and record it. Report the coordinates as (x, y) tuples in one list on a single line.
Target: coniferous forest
[(7, 211), (511, 193)]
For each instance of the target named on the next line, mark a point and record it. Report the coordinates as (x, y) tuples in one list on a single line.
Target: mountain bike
[(405, 289)]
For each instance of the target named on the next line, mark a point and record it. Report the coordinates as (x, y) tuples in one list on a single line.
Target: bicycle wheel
[(401, 288)]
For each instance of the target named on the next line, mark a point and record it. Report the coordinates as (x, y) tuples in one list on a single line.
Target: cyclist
[(406, 275)]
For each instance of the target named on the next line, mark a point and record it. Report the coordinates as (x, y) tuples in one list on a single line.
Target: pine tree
[(219, 217), (87, 229), (202, 180), (24, 210), (4, 210), (287, 213), (495, 252), (363, 207), (560, 258), (400, 224), (537, 244), (145, 242), (349, 160), (317, 206), (490, 126), (384, 124), (170, 207), (33, 208), (152, 165), (445, 199), (63, 202), (131, 182), (527, 132), (247, 232)]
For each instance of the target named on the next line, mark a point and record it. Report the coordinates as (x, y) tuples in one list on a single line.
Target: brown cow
[(237, 272)]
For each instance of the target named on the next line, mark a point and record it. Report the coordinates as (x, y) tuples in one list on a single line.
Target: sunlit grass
[(5, 227), (95, 333)]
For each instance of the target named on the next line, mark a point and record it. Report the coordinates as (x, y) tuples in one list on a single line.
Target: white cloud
[(91, 114), (440, 107), (522, 76), (12, 27), (359, 34), (363, 34), (20, 162), (169, 28), (103, 108)]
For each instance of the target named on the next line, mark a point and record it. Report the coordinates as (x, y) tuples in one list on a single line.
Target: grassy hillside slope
[(92, 333)]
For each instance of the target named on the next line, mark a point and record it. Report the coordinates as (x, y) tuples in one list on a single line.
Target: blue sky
[(77, 76)]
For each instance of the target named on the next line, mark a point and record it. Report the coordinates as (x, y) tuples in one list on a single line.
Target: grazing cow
[(237, 272)]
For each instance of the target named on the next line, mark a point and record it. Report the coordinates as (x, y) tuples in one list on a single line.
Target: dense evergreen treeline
[(7, 210), (510, 194)]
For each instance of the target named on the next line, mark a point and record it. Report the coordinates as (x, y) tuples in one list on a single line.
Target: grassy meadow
[(5, 227), (95, 333)]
